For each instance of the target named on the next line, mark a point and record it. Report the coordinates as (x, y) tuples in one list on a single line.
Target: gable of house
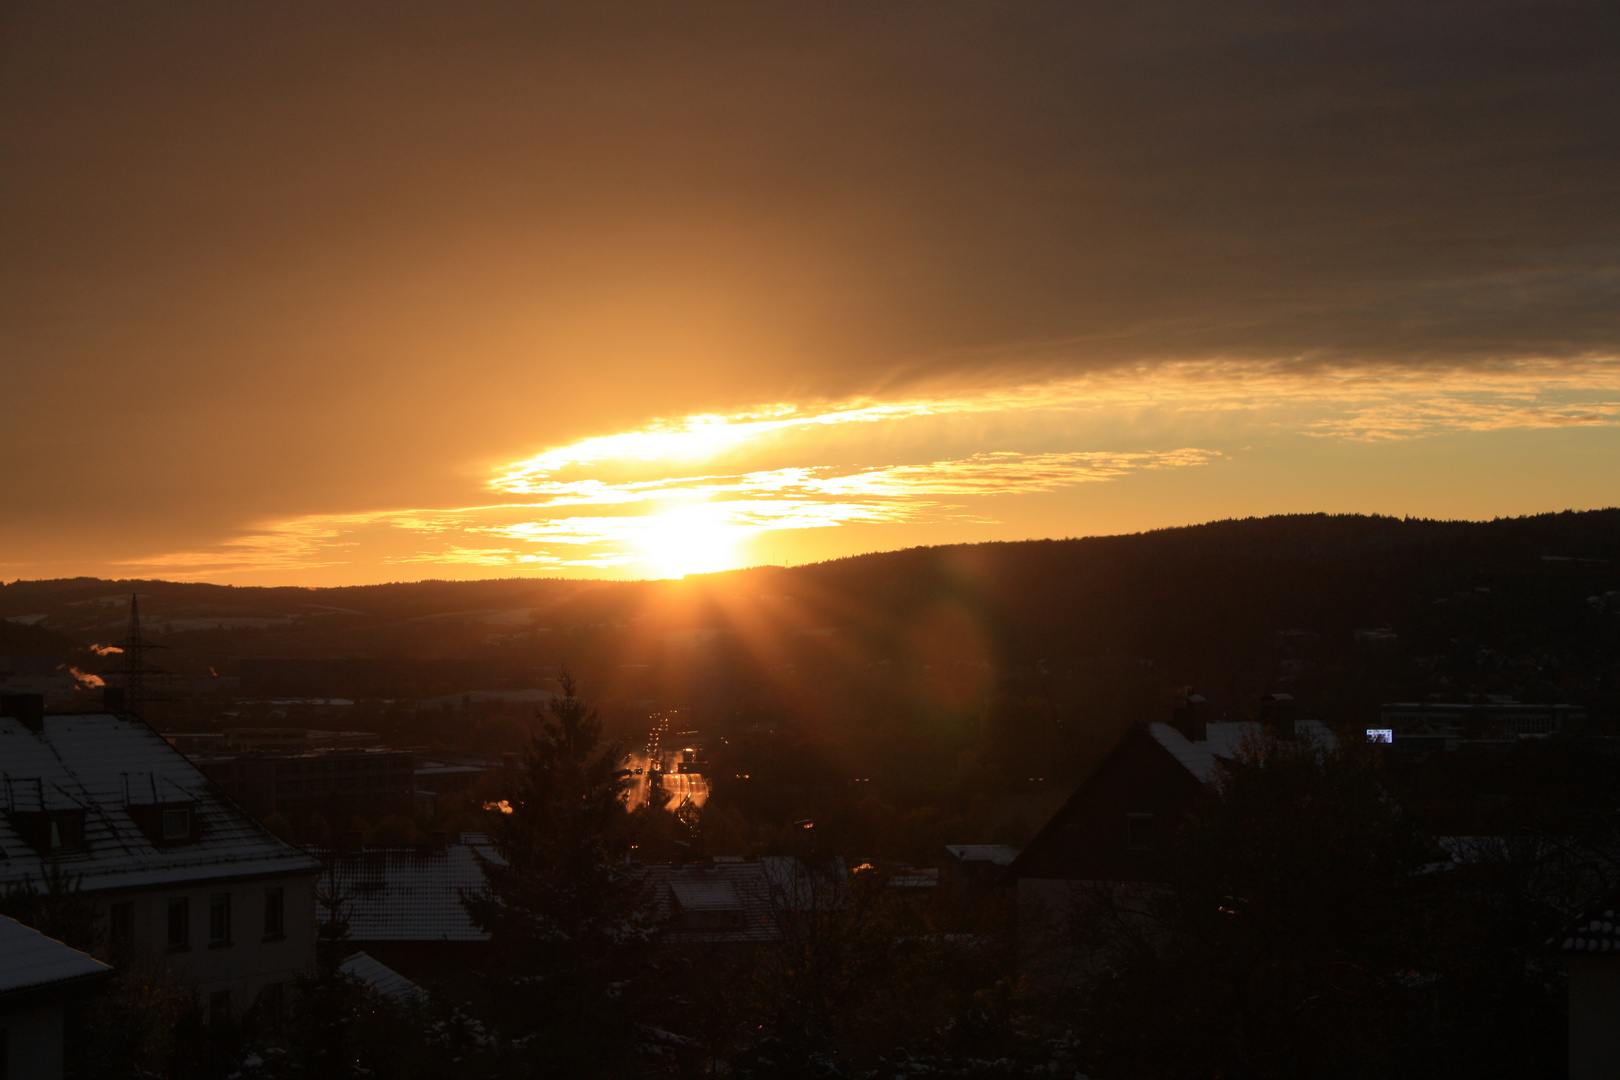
[(1112, 827)]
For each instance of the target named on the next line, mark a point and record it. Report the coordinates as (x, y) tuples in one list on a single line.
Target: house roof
[(994, 854), (104, 766), (1199, 761), (1225, 741), (719, 894), (381, 978), (30, 961), (911, 877), (742, 888), (408, 894), (760, 890)]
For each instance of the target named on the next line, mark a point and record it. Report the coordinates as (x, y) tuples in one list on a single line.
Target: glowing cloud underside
[(688, 495)]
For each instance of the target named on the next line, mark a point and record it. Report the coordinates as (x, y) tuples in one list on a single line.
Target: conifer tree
[(570, 923)]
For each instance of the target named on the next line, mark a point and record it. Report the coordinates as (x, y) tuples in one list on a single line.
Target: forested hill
[(1340, 610), (1223, 591)]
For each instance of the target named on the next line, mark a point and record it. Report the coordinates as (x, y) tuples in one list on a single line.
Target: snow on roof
[(408, 894), (716, 895), (728, 902), (995, 854), (104, 766), (31, 961), (1480, 849), (1596, 932), (911, 877), (381, 978), (1224, 741)]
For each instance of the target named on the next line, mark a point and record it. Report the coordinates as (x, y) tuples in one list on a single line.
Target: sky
[(330, 294)]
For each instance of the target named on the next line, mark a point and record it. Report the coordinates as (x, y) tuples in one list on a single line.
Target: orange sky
[(303, 294)]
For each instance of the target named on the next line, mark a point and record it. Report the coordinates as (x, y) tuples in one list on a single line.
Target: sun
[(696, 539)]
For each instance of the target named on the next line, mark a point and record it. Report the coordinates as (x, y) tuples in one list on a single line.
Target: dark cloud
[(266, 258)]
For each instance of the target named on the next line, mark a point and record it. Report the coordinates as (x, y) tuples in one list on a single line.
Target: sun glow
[(696, 539), (695, 494)]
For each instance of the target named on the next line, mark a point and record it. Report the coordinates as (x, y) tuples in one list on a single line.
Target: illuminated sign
[(1380, 734)]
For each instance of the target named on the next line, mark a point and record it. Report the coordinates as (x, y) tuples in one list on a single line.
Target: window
[(275, 907), (180, 923), (164, 823), (66, 833), (121, 934), (177, 824), (219, 919), (1140, 833)]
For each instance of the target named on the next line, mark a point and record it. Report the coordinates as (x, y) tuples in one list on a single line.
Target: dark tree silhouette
[(571, 927), (1294, 938)]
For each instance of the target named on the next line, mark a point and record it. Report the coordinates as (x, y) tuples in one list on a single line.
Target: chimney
[(27, 709), (112, 700), (1187, 717), (1279, 714), (438, 840)]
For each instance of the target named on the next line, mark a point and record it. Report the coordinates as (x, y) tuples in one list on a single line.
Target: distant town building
[(267, 738), (360, 678), (38, 976), (1479, 719), (178, 872), (337, 781), (295, 738), (48, 676), (443, 773)]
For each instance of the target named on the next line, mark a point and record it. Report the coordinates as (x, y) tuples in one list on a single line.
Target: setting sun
[(695, 539)]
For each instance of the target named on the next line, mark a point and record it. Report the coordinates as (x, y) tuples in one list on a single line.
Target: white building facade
[(180, 876)]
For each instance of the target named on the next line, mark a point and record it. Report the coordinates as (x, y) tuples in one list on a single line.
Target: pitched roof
[(714, 895), (30, 961), (408, 894), (381, 978), (1225, 741), (741, 890), (994, 854), (104, 766), (1199, 760)]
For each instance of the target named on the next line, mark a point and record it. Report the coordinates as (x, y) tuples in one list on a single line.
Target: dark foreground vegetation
[(1331, 915), (1311, 924)]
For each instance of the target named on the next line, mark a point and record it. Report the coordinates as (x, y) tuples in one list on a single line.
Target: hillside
[(1340, 610)]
